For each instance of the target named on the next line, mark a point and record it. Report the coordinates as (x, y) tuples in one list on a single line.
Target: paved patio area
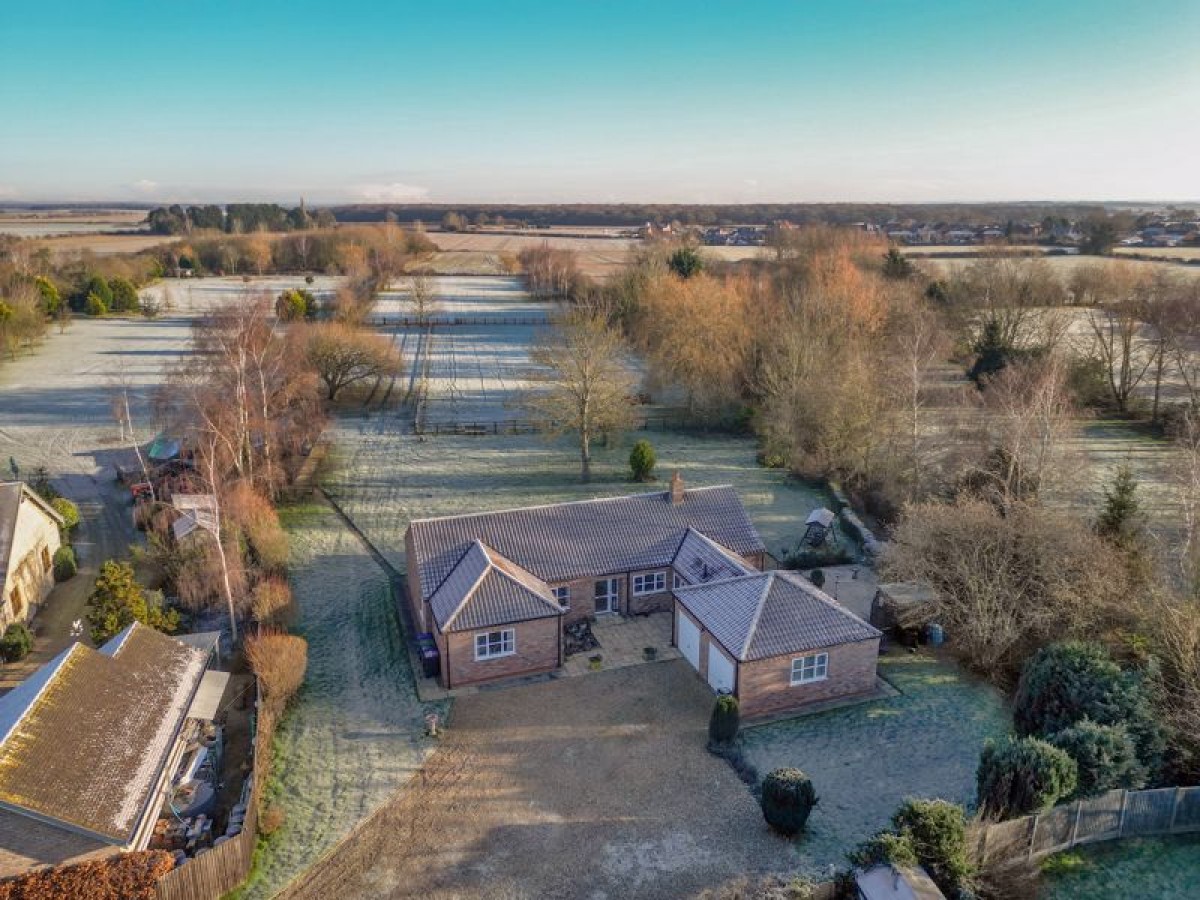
[(623, 642)]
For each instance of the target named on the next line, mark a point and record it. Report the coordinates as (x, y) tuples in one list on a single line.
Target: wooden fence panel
[(1187, 812), (1053, 830), (211, 874), (1099, 818), (1148, 812)]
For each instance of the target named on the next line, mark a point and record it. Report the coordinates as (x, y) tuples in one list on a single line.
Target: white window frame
[(612, 593), (810, 669), (506, 643), (657, 580), (677, 581), (563, 595)]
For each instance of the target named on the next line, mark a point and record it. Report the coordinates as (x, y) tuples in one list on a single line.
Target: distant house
[(29, 537), (89, 744), (496, 590)]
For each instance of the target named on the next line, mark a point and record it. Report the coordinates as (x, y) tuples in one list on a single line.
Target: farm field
[(355, 733), (1184, 253), (865, 760), (1137, 869), (1062, 265), (52, 222)]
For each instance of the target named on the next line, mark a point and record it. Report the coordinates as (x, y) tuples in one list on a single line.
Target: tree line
[(236, 218)]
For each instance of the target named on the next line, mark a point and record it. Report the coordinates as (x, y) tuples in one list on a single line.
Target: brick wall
[(583, 597), (416, 602), (764, 686), (537, 650)]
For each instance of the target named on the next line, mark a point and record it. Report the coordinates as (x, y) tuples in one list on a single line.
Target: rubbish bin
[(430, 661)]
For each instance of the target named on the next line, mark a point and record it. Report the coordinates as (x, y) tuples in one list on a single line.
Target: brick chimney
[(677, 490)]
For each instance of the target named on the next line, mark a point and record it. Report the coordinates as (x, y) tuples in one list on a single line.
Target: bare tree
[(343, 355), (584, 384), (422, 294)]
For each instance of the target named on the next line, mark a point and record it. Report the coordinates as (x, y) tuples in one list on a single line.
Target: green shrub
[(885, 848), (124, 295), (1019, 776), (723, 725), (1105, 755), (686, 262), (16, 643), (817, 577), (1069, 682), (65, 565), (642, 461), (95, 306), (291, 306), (788, 798), (937, 831), (69, 512)]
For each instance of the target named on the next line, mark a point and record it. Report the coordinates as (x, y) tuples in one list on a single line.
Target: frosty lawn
[(385, 476), (1163, 868), (355, 734), (864, 760)]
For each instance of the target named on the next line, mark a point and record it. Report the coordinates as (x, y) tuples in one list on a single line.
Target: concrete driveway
[(596, 788)]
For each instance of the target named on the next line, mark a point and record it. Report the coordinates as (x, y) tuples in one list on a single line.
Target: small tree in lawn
[(583, 385), (642, 461), (788, 799), (1019, 776), (723, 725)]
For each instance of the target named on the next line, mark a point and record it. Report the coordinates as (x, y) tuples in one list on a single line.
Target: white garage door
[(689, 641), (720, 671)]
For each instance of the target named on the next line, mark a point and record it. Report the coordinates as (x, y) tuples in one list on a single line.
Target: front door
[(607, 595)]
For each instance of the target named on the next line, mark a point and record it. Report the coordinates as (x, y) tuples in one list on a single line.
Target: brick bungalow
[(496, 589)]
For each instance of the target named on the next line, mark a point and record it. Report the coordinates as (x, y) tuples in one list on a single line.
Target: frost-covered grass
[(356, 732), (864, 760), (385, 476), (1163, 868)]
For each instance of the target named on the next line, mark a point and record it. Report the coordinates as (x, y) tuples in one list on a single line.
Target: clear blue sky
[(599, 101)]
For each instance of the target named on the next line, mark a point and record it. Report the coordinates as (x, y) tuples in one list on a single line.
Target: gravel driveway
[(596, 787)]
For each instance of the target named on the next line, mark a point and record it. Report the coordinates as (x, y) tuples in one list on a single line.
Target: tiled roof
[(769, 614), (700, 559), (84, 741), (486, 589), (565, 541)]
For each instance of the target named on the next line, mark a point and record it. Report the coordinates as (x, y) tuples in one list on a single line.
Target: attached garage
[(688, 638), (722, 671), (775, 641)]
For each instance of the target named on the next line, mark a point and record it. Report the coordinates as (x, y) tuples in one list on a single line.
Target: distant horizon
[(533, 102), (116, 204)]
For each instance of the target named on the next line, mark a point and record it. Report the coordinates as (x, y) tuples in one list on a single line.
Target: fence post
[(1033, 834), (1175, 808), (1075, 825), (1121, 821)]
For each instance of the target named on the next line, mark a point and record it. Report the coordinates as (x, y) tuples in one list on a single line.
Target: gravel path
[(596, 787)]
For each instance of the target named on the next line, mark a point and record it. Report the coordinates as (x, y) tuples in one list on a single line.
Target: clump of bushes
[(788, 799), (723, 725), (1019, 776), (1065, 684), (932, 833), (65, 565), (642, 461), (117, 601), (16, 642)]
